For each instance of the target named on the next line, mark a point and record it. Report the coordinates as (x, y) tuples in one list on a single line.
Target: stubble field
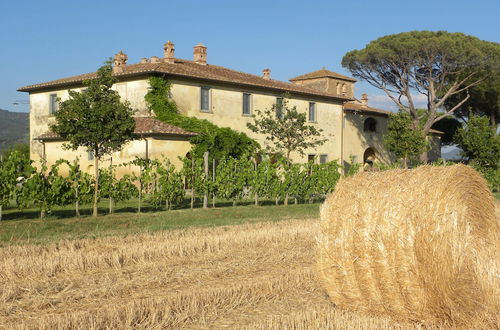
[(255, 276)]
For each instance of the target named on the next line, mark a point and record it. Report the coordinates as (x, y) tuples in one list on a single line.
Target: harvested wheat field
[(254, 276)]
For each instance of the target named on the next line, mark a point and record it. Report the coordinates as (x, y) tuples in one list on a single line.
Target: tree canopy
[(95, 119), (438, 65), (401, 139)]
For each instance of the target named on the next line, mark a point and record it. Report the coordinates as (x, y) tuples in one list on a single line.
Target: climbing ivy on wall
[(220, 142)]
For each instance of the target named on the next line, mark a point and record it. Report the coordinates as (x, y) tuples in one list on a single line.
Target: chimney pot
[(364, 99), (155, 59), (266, 74), (169, 52), (200, 54), (144, 60), (120, 62)]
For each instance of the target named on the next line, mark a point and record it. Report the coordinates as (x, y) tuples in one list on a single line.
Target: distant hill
[(14, 128)]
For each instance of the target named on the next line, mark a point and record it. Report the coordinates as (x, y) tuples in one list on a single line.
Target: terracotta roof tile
[(357, 107), (322, 74), (143, 126), (189, 69)]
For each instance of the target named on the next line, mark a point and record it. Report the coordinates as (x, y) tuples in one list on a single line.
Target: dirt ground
[(254, 276)]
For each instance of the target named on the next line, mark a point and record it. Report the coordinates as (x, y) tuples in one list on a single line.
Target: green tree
[(95, 119), (404, 140), (479, 143), (437, 65), (286, 129), (483, 101)]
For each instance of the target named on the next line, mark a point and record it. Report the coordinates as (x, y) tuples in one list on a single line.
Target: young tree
[(403, 139), (95, 119), (437, 65), (479, 142), (15, 165), (286, 129)]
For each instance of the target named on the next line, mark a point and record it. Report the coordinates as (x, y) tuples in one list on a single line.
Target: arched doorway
[(369, 158)]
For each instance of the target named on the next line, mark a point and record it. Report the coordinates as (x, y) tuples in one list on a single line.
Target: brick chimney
[(120, 62), (266, 74), (200, 54), (364, 99), (154, 59), (168, 52)]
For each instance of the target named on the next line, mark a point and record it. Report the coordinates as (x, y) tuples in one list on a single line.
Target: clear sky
[(46, 40)]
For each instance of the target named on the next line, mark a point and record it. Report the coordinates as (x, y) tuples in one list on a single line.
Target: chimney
[(120, 62), (364, 99), (266, 74), (168, 52), (154, 59), (144, 60), (200, 54)]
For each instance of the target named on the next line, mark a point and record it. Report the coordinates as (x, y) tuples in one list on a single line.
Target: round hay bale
[(420, 244)]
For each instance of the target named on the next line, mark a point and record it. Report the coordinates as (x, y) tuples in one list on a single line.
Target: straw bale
[(420, 245)]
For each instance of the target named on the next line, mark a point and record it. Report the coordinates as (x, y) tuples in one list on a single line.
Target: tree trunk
[(0, 212), (42, 214), (234, 202), (286, 200), (96, 187), (166, 205), (405, 162), (205, 195), (277, 201), (256, 199), (192, 183), (140, 190), (77, 203), (424, 157), (296, 201), (110, 205)]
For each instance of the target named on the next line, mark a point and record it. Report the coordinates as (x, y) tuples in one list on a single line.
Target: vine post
[(205, 163), (192, 182)]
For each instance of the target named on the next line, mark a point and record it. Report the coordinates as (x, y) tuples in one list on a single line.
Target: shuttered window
[(312, 111), (279, 107), (247, 102), (52, 104), (205, 99)]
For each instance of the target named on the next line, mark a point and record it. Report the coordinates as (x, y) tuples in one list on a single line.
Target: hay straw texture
[(418, 244)]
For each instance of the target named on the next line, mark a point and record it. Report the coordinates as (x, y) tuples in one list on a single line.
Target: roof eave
[(32, 88)]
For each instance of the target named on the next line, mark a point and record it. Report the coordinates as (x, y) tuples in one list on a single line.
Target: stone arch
[(370, 125), (369, 157)]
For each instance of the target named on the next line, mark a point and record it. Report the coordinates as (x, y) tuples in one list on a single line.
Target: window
[(247, 104), (279, 107), (323, 159), (52, 104), (311, 157), (312, 111), (205, 99), (370, 125), (90, 155)]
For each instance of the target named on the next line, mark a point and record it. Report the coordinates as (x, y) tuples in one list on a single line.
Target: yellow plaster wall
[(157, 149), (356, 141), (227, 111)]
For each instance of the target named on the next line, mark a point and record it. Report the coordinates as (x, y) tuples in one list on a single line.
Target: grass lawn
[(23, 227)]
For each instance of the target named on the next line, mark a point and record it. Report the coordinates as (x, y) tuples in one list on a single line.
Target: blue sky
[(46, 40)]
